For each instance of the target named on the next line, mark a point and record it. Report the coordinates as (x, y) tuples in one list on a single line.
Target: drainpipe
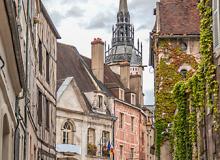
[(18, 118), (26, 79)]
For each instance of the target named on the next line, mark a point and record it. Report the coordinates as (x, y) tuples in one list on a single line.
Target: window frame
[(121, 151), (93, 139), (67, 133), (47, 114), (48, 67), (133, 98), (121, 120), (40, 56), (100, 101), (216, 25), (132, 153), (40, 108), (132, 123)]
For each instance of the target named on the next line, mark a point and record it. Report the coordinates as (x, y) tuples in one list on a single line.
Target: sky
[(80, 21)]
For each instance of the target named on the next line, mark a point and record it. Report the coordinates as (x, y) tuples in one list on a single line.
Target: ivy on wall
[(197, 95), (167, 75)]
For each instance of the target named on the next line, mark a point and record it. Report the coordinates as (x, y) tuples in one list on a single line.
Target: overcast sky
[(80, 21)]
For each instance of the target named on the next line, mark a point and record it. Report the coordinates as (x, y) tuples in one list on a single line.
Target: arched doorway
[(5, 138)]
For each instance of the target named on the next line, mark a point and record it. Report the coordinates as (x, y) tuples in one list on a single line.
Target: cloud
[(73, 1), (101, 21), (74, 12), (143, 12), (141, 27), (56, 17)]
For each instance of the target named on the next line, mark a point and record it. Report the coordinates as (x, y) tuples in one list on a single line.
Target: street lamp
[(2, 63)]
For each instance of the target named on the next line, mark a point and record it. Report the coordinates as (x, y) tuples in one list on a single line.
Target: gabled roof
[(178, 17), (69, 64)]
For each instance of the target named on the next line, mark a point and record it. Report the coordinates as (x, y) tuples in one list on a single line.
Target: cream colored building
[(11, 79), (24, 24), (84, 121)]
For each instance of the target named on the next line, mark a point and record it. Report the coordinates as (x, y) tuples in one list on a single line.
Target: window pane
[(40, 56), (39, 111)]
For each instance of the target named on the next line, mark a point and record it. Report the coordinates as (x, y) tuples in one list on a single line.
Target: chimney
[(125, 74), (98, 58)]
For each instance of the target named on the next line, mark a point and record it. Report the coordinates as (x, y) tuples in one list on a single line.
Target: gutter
[(178, 36), (15, 40)]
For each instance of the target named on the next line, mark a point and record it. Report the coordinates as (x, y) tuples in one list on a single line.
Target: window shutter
[(216, 20)]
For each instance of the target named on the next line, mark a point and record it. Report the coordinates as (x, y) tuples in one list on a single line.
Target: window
[(183, 72), (40, 56), (39, 111), (183, 46), (132, 153), (132, 124), (48, 67), (91, 136), (121, 152), (47, 114), (121, 121), (216, 22), (68, 133), (133, 101), (100, 101), (142, 138), (121, 94), (105, 138)]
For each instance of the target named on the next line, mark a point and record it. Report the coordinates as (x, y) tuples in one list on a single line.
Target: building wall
[(10, 85), (72, 108), (125, 136), (47, 136)]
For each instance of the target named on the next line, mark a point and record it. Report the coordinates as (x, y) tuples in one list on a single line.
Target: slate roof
[(69, 64), (111, 80), (178, 17), (68, 57)]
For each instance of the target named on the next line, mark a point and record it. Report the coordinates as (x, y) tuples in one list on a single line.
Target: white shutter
[(216, 20)]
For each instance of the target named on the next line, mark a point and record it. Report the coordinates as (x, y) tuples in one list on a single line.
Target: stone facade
[(11, 80), (72, 108), (28, 20), (175, 56)]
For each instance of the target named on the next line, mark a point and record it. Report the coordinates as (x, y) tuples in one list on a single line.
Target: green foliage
[(167, 76), (201, 91), (92, 149)]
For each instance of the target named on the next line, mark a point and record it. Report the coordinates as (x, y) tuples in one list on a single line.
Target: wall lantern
[(2, 63)]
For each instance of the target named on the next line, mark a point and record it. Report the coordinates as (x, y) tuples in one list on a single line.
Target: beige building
[(84, 121), (11, 79), (28, 81)]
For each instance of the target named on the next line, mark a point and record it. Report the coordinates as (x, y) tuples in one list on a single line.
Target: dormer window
[(133, 99), (121, 94), (100, 101)]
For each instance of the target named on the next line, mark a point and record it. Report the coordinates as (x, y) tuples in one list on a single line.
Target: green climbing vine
[(197, 95), (167, 75)]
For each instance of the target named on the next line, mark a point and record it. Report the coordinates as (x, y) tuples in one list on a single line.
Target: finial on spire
[(123, 6)]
